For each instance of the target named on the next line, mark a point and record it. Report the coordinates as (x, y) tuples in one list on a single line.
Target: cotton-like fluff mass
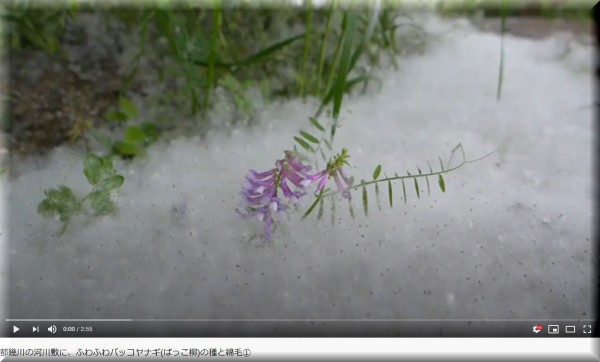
[(509, 237)]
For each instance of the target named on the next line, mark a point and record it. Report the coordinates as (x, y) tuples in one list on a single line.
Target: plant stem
[(304, 76), (502, 31), (212, 57), (322, 51), (463, 162)]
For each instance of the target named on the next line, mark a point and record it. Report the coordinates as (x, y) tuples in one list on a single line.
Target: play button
[(15, 329)]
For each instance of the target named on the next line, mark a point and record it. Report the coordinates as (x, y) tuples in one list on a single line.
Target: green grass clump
[(235, 47)]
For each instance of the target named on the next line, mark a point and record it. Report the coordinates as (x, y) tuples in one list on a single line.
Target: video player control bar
[(297, 328)]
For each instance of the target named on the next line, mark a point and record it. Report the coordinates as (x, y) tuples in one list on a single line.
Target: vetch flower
[(261, 186), (342, 182), (334, 169), (293, 170), (321, 177), (260, 190)]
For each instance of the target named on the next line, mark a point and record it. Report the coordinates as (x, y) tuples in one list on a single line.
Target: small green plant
[(126, 112), (62, 203), (135, 138), (268, 194)]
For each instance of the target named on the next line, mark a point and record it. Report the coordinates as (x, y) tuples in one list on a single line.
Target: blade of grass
[(391, 198), (503, 16), (322, 50), (320, 213), (349, 26), (213, 55), (332, 212), (365, 201), (304, 75), (254, 58)]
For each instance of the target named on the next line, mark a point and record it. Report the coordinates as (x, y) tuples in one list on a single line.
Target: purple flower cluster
[(260, 191)]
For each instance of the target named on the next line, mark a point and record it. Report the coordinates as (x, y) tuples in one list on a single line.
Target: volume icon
[(52, 329)]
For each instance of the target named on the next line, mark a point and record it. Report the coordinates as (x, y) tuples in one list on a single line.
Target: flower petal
[(265, 174)]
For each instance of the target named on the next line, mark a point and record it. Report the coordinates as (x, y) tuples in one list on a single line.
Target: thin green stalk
[(345, 66), (503, 16), (322, 51), (389, 179), (304, 76), (260, 56), (212, 57), (334, 63)]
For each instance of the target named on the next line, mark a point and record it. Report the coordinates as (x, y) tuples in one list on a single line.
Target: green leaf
[(260, 56), (46, 208), (127, 149), (309, 137), (390, 192), (115, 116), (351, 208), (111, 183), (316, 124), (377, 172), (332, 212), (320, 214), (428, 189), (365, 200), (101, 203), (349, 26), (96, 168), (417, 188), (163, 21), (441, 163), (61, 202), (303, 143), (441, 182), (377, 197), (134, 135), (404, 190), (128, 108), (151, 131), (328, 144)]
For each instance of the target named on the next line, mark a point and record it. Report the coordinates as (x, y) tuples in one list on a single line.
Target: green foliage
[(127, 111), (551, 9), (365, 199), (135, 138), (128, 108), (415, 177), (36, 27), (376, 172), (62, 203), (238, 90), (236, 47), (349, 26), (97, 169)]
